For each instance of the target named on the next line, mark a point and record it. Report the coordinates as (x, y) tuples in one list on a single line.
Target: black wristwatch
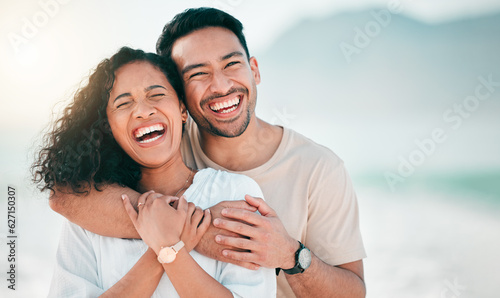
[(302, 261)]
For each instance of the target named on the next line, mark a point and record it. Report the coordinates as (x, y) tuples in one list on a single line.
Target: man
[(309, 222)]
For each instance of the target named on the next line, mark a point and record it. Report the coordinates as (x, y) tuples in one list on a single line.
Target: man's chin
[(229, 130), (227, 133)]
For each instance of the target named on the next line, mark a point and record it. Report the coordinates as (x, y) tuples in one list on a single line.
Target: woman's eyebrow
[(153, 87), (122, 95), (145, 89)]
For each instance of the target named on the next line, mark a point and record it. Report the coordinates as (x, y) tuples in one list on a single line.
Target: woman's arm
[(141, 281), (201, 284), (76, 271), (161, 225), (148, 271)]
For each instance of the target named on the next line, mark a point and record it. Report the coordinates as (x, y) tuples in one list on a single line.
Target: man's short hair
[(194, 19)]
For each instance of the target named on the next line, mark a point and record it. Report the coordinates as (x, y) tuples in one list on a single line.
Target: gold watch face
[(166, 255)]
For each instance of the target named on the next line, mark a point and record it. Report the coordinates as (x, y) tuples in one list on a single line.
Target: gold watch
[(167, 254)]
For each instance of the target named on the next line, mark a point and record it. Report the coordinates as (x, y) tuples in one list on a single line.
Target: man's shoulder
[(301, 147)]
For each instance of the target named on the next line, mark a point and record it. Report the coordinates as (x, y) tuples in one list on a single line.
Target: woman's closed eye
[(123, 104)]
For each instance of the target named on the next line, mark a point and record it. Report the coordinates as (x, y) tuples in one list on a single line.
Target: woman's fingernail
[(123, 197)]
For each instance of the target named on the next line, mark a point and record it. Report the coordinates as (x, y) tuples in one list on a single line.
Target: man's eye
[(196, 74), (232, 63), (158, 95)]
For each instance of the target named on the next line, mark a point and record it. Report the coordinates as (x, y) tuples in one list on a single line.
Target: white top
[(88, 264)]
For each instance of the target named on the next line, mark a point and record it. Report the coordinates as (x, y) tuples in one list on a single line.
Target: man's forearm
[(323, 280), (100, 212)]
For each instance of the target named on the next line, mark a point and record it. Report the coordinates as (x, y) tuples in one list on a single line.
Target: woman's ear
[(184, 113)]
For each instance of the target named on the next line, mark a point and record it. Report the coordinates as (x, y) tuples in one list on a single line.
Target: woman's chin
[(152, 164), (153, 161)]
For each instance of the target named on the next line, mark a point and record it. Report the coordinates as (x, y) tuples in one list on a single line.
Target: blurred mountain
[(368, 84)]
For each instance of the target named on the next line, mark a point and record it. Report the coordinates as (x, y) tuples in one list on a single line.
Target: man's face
[(220, 81)]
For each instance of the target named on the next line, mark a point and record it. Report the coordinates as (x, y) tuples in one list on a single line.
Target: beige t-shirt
[(310, 190)]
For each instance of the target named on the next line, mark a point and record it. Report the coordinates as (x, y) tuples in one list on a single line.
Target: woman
[(125, 127)]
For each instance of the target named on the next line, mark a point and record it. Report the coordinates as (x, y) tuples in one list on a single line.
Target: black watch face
[(305, 258)]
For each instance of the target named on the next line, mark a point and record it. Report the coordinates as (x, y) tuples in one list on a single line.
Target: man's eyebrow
[(230, 55), (154, 87), (191, 67)]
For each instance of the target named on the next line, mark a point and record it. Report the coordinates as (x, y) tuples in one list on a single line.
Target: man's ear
[(184, 113), (254, 66)]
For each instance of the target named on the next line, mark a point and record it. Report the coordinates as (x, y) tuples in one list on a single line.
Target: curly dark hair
[(80, 150)]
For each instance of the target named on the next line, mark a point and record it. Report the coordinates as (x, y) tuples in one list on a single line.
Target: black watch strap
[(297, 268)]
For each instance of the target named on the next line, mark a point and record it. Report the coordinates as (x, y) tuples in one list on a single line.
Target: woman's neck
[(172, 178)]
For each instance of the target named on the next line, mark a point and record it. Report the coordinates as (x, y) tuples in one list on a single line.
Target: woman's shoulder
[(223, 177), (216, 185)]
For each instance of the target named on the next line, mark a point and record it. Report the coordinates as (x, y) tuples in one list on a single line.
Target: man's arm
[(100, 212), (272, 247), (323, 280)]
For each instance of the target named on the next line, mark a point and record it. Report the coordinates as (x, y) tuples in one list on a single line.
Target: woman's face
[(145, 114)]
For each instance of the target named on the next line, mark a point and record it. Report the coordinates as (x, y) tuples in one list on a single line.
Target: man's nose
[(220, 83)]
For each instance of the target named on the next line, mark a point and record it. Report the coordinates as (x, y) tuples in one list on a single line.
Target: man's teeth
[(222, 105), (150, 140), (145, 130), (229, 110)]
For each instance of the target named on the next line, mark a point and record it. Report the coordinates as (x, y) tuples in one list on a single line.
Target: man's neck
[(251, 149), (167, 179)]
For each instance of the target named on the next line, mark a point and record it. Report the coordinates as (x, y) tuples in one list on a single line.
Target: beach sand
[(419, 244)]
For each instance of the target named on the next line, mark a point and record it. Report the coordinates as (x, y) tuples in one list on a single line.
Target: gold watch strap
[(178, 246)]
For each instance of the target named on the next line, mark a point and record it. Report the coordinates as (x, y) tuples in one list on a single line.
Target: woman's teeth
[(149, 134), (147, 130), (150, 140)]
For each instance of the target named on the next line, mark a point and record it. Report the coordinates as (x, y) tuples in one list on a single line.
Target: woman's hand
[(197, 223), (161, 219)]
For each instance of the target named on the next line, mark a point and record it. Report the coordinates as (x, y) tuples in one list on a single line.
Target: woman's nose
[(144, 110)]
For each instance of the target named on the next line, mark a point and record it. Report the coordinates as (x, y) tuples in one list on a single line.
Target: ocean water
[(437, 243)]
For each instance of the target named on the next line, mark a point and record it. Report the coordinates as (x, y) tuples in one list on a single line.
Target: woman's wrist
[(170, 241)]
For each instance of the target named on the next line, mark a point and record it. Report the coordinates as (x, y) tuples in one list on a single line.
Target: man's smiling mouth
[(226, 106), (148, 134)]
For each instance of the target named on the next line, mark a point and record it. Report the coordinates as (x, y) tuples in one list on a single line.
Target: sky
[(47, 47), (61, 48)]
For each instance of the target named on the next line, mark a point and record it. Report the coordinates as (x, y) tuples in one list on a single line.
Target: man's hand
[(208, 247), (266, 241)]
